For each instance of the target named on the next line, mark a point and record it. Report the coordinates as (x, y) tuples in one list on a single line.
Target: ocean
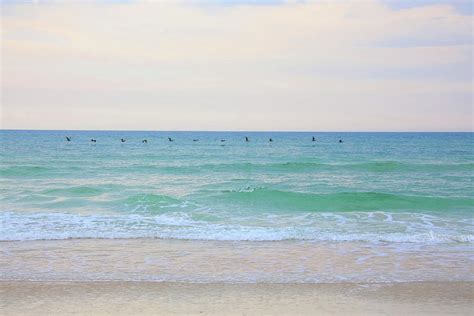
[(212, 207)]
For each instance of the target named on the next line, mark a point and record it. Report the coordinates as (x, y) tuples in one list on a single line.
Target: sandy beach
[(146, 276), (155, 298), (152, 276)]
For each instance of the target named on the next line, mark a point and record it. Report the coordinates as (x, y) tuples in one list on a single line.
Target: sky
[(237, 65)]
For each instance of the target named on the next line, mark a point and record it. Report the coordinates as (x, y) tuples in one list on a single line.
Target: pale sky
[(269, 65)]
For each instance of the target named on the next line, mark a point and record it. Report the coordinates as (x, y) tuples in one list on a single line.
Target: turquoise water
[(373, 187)]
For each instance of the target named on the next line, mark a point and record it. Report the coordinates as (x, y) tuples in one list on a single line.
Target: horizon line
[(244, 131)]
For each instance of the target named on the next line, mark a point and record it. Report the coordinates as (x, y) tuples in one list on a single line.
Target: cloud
[(324, 65)]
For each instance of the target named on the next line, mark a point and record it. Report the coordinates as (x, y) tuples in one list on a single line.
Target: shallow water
[(402, 190)]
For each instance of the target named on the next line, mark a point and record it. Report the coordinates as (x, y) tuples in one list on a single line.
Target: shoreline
[(164, 298), (233, 262)]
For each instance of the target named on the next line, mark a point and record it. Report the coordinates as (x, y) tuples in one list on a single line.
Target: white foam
[(403, 228)]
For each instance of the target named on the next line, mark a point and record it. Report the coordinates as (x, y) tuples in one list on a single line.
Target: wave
[(378, 166), (152, 203), (344, 201), (150, 199), (75, 191), (295, 167), (24, 171), (248, 200)]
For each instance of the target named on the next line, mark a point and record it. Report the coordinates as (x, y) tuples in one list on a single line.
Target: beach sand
[(162, 277), (161, 298)]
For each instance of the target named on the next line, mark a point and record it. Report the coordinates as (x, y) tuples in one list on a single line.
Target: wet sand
[(160, 298), (191, 261)]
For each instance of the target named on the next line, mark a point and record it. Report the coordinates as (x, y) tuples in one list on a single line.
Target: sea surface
[(294, 208)]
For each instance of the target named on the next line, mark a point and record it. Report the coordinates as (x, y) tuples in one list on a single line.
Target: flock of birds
[(69, 138)]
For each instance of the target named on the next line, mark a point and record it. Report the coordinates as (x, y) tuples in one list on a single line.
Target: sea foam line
[(370, 227)]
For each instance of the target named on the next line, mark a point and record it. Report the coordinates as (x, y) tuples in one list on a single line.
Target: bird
[(68, 138), (170, 139), (270, 140), (93, 140), (341, 141), (144, 141), (123, 140), (246, 139), (314, 139), (195, 140)]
